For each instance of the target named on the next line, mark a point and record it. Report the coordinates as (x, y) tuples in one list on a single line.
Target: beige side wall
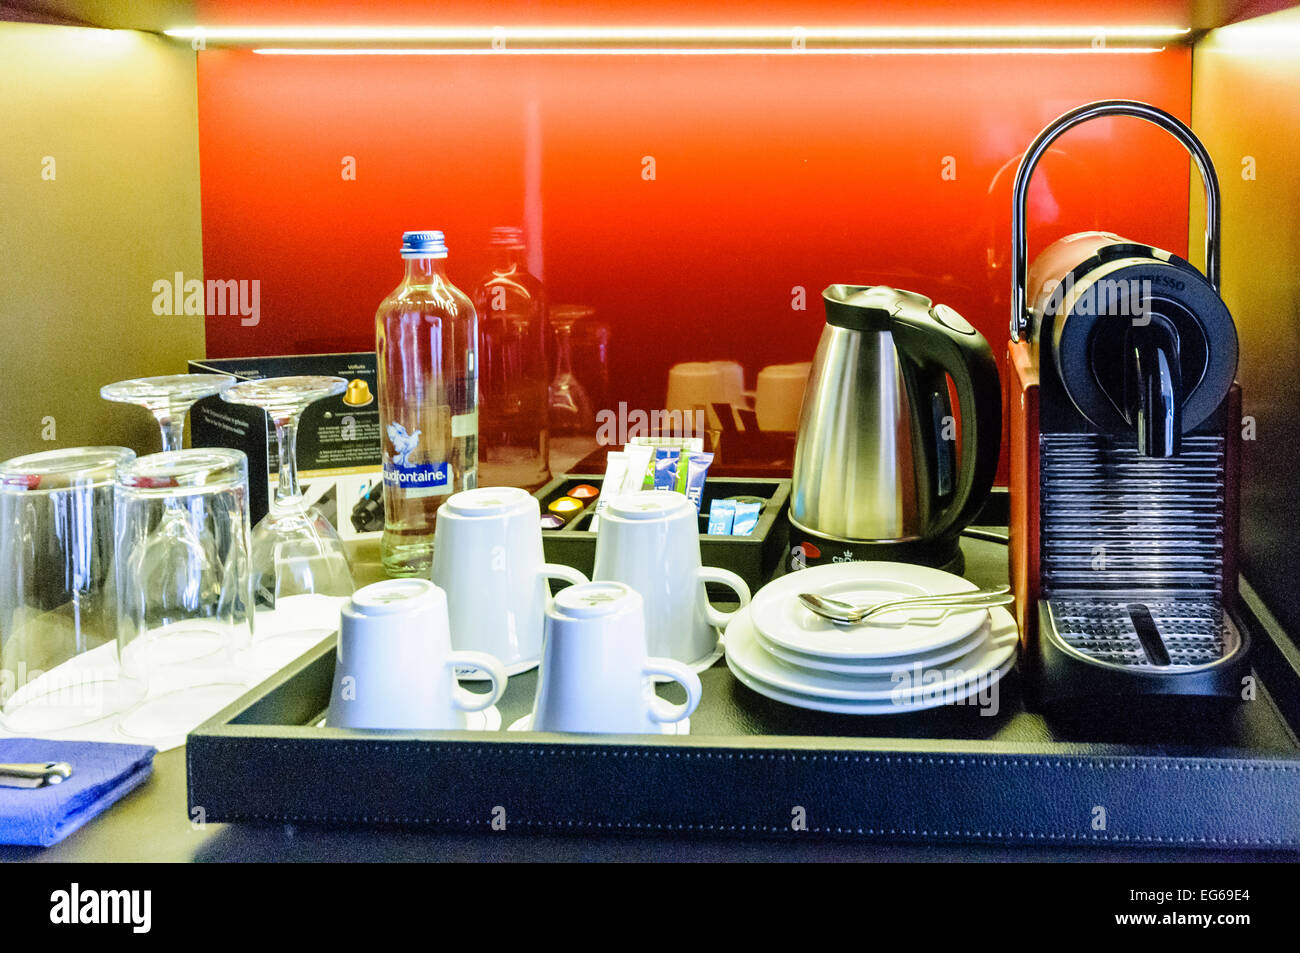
[(117, 113), (1246, 107)]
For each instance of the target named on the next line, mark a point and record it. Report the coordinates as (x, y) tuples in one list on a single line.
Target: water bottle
[(426, 344)]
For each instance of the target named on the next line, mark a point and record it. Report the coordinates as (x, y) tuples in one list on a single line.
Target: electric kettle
[(883, 467)]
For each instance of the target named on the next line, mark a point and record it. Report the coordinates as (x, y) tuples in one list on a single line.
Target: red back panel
[(772, 177)]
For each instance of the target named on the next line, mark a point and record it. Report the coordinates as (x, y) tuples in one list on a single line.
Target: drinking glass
[(184, 599), (58, 652), (567, 400), (296, 551), (168, 398)]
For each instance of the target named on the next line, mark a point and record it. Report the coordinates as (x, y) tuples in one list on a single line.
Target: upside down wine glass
[(567, 401), (295, 549), (168, 398)]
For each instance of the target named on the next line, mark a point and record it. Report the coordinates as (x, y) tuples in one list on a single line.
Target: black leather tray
[(1222, 777)]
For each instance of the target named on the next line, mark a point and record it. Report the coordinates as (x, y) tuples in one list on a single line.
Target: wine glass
[(567, 401), (296, 552), (168, 398)]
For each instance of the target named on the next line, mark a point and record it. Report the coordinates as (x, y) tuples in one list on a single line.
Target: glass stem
[(286, 436), (173, 429), (563, 352)]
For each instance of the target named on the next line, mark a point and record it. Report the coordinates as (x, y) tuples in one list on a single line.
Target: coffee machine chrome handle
[(1112, 107)]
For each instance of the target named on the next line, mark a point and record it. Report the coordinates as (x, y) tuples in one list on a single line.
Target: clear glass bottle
[(426, 342), (511, 303)]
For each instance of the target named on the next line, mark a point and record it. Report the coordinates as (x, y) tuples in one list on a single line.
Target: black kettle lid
[(870, 307)]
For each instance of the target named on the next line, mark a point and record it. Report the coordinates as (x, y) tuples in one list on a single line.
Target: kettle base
[(812, 549)]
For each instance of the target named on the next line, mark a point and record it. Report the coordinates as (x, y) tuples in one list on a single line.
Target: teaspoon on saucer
[(844, 613)]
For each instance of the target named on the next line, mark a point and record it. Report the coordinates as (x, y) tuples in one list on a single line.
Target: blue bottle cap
[(423, 244)]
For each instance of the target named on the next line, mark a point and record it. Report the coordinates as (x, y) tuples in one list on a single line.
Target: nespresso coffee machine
[(1125, 431)]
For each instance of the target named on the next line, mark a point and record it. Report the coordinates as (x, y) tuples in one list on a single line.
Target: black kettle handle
[(967, 357)]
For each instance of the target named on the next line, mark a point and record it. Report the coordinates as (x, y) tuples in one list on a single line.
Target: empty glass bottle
[(426, 341), (511, 307)]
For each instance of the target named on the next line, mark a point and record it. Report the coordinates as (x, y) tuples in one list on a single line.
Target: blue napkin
[(101, 775)]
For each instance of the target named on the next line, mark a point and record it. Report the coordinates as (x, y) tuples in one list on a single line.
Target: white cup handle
[(573, 577), (665, 712), (733, 582), (490, 666)]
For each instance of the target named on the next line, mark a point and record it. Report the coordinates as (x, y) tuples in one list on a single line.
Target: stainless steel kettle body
[(855, 465), (884, 466)]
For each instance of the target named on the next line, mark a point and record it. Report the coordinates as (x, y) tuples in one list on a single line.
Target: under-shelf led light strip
[(697, 51), (682, 41)]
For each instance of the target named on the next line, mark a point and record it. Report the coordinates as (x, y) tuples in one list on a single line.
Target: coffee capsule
[(584, 492)]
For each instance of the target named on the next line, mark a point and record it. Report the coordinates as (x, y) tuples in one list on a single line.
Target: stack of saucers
[(897, 662)]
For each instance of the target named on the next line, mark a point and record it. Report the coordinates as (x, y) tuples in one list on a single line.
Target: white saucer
[(859, 708), (682, 727), (783, 620), (910, 690), (489, 719), (700, 665), (870, 667), (909, 678)]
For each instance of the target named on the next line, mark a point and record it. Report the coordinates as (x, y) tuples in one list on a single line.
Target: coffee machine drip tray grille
[(1131, 563), (1169, 634), (1114, 521)]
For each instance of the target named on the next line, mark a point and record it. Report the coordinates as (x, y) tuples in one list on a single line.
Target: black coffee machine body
[(1125, 442)]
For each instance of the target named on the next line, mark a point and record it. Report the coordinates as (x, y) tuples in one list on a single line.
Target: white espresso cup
[(487, 557), (651, 541), (395, 667), (596, 675)]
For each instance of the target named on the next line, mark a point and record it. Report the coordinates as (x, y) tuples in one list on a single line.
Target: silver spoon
[(843, 613)]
